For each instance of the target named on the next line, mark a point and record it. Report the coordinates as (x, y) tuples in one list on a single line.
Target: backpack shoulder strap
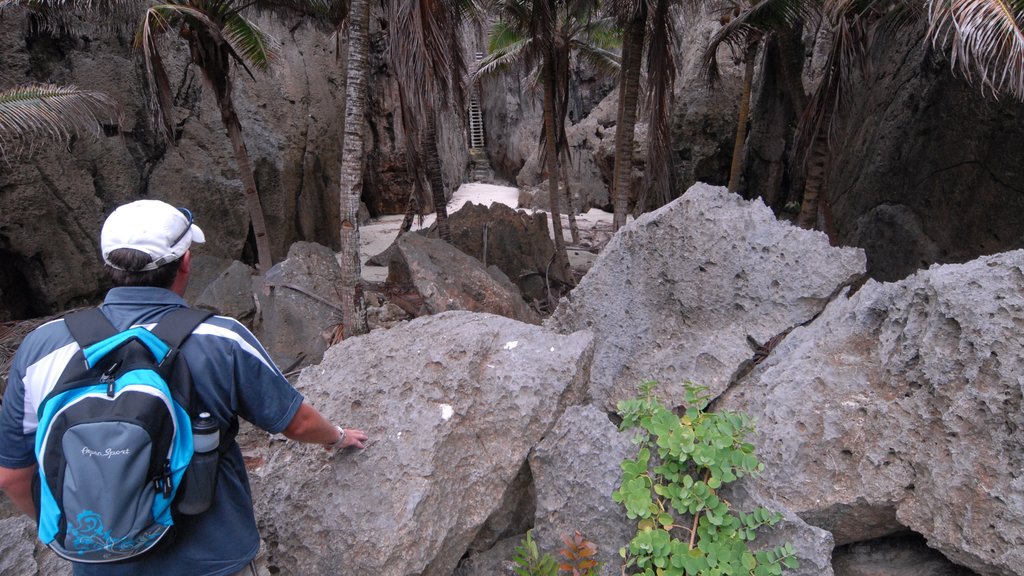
[(88, 327), (178, 324)]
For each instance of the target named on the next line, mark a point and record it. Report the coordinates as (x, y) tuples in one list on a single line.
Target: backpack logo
[(114, 441), (109, 452)]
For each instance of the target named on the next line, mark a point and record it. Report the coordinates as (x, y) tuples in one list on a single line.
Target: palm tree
[(541, 35), (45, 111), (746, 26), (647, 28), (633, 18), (353, 311), (427, 55), (657, 189), (217, 33)]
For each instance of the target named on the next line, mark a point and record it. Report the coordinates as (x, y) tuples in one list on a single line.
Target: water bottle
[(200, 481)]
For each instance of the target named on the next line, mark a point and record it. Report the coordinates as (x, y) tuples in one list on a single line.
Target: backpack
[(115, 438)]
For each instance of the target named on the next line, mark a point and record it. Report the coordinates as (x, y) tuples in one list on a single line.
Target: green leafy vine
[(671, 489)]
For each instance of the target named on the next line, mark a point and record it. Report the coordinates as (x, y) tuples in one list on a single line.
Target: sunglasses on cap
[(188, 216)]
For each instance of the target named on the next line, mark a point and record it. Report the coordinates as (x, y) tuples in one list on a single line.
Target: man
[(145, 246)]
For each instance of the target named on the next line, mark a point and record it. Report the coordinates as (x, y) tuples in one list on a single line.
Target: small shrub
[(578, 557), (671, 489)]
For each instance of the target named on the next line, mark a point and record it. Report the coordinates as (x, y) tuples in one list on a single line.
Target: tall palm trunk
[(574, 228), (815, 177), (749, 57), (629, 88), (432, 161), (252, 197), (561, 256), (353, 311)]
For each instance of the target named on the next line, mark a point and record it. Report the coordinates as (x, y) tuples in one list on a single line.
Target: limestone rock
[(899, 408), (452, 404), (448, 279), (299, 305), (230, 293), (22, 554), (517, 243), (676, 293), (576, 469)]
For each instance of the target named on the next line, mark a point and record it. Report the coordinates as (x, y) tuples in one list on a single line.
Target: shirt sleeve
[(17, 449)]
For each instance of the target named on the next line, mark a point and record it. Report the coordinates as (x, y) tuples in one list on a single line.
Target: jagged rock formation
[(452, 403), (447, 279), (516, 242), (678, 294), (900, 408), (55, 200)]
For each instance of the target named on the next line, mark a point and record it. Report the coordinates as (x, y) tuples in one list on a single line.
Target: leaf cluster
[(671, 489), (578, 558)]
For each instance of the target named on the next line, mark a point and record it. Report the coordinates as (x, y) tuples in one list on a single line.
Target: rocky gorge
[(888, 414), (883, 369)]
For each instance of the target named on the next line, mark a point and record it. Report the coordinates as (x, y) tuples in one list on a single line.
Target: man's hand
[(347, 438)]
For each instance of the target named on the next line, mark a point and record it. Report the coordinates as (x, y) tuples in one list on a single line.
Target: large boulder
[(575, 470), (21, 552), (517, 242), (447, 279), (299, 305), (452, 404), (899, 409), (677, 294), (230, 293)]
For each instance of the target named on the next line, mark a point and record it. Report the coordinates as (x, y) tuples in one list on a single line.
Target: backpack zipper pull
[(108, 377), (168, 482)]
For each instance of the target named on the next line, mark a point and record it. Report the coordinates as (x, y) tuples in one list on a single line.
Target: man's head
[(144, 243)]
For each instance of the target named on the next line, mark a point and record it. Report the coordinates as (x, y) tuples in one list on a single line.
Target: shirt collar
[(145, 295)]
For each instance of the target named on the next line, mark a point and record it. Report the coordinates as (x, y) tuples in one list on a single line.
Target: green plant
[(671, 489), (530, 562), (579, 556)]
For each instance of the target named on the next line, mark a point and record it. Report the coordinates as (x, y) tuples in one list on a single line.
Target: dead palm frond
[(50, 112), (986, 41)]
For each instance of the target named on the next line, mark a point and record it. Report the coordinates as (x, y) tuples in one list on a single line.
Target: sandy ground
[(595, 227)]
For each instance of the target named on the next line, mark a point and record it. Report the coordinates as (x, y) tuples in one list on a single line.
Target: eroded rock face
[(900, 408), (452, 403), (55, 199), (575, 469), (516, 242), (448, 279), (300, 306), (676, 293)]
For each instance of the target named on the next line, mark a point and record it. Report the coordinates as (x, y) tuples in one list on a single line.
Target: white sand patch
[(595, 226)]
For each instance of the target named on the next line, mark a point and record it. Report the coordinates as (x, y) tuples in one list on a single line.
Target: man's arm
[(310, 426), (17, 484)]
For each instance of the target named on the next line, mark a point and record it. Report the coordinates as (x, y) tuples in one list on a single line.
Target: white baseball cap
[(151, 226)]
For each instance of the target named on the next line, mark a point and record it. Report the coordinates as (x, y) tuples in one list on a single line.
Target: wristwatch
[(341, 438)]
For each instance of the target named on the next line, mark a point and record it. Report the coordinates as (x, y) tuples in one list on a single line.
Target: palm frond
[(604, 61), (250, 43), (521, 53), (987, 42), (51, 112), (751, 25)]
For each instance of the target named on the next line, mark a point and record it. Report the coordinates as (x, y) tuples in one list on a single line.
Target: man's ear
[(180, 282)]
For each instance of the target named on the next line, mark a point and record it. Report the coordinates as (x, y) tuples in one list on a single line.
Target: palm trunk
[(629, 87), (353, 311), (741, 124), (561, 256), (814, 183), (432, 160), (574, 228), (252, 197)]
